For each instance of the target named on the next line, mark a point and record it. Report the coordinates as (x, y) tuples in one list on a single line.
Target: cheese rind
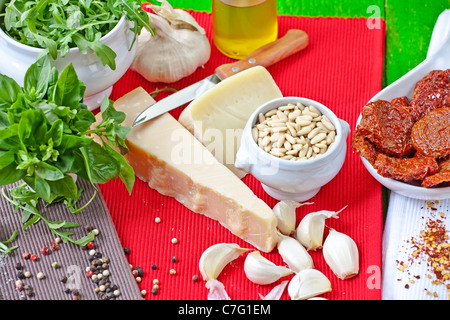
[(172, 161), (218, 117)]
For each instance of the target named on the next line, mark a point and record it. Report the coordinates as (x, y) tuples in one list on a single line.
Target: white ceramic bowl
[(16, 58), (292, 180), (410, 190)]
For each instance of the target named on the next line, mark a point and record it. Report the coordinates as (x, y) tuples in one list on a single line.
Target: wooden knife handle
[(293, 41)]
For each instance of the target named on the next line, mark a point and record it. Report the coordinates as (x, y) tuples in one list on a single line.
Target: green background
[(409, 25)]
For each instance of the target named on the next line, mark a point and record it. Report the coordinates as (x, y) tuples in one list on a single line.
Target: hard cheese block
[(173, 162), (218, 117)]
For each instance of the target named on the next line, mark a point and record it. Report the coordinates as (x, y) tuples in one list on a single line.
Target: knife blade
[(292, 42)]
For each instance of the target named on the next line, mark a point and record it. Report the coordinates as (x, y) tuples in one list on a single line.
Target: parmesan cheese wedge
[(218, 117), (172, 161)]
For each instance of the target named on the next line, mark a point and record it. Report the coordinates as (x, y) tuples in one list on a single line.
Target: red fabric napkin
[(341, 68)]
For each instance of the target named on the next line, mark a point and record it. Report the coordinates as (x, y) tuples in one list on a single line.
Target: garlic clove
[(276, 292), (341, 254), (216, 257), (216, 290), (260, 270), (294, 254), (286, 216), (308, 283), (311, 227)]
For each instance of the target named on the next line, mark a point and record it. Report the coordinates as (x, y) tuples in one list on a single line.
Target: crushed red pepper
[(431, 246)]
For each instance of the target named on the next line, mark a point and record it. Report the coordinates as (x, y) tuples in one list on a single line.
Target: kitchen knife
[(293, 41)]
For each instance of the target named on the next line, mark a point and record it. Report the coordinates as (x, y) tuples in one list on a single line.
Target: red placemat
[(341, 68)]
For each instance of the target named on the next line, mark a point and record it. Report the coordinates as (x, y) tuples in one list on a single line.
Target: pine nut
[(294, 132)]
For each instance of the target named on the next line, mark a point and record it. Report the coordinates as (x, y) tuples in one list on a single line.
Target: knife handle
[(293, 41)]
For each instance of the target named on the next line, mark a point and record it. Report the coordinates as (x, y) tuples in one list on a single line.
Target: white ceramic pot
[(16, 58), (292, 180)]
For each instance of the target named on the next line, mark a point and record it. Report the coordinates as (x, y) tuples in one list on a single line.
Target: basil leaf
[(10, 174), (37, 78), (101, 167), (6, 158), (49, 172), (67, 89), (32, 127), (9, 89), (65, 187)]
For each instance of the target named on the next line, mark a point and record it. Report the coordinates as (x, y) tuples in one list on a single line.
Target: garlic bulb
[(216, 257), (308, 283), (311, 227), (177, 49), (286, 217), (260, 270), (341, 254), (294, 254)]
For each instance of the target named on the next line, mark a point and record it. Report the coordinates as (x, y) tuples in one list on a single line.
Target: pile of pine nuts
[(294, 132)]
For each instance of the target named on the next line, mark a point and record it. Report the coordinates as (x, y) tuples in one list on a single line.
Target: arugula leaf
[(59, 25)]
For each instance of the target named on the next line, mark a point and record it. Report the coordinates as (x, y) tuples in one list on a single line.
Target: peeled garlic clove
[(294, 254), (216, 257), (311, 227), (308, 283), (260, 270), (341, 254), (286, 217)]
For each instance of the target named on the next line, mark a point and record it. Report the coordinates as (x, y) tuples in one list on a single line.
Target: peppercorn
[(33, 257), (54, 246), (88, 228), (154, 267), (91, 245), (63, 279), (195, 277), (154, 291), (45, 250), (89, 273), (26, 255), (174, 259), (19, 266), (139, 270), (126, 250)]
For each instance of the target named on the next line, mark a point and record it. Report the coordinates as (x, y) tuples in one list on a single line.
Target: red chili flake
[(91, 245), (33, 257), (26, 255), (44, 250), (89, 273)]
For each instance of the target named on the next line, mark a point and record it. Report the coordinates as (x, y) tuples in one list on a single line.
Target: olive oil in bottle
[(242, 26)]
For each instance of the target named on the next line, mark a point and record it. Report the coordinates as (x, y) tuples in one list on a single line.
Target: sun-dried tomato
[(405, 169), (401, 101), (431, 134), (388, 126), (364, 147), (431, 92), (442, 176)]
